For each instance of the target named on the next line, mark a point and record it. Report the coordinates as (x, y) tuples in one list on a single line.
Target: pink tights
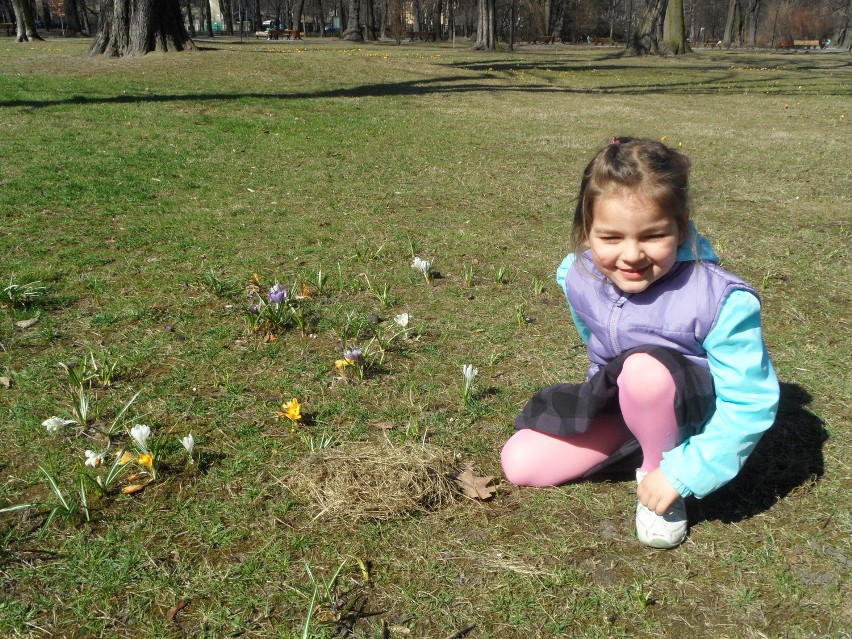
[(646, 394)]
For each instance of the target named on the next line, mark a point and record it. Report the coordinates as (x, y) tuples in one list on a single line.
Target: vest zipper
[(614, 317)]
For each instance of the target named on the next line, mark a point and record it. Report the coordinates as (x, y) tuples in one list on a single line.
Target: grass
[(143, 195)]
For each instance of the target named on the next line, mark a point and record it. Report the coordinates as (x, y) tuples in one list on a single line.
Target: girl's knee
[(521, 464), (645, 378)]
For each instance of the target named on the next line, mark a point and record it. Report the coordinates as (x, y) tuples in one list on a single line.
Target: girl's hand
[(656, 493)]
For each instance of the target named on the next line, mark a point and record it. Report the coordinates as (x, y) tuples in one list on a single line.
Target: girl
[(678, 364)]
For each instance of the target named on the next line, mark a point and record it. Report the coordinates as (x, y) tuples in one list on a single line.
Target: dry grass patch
[(375, 480)]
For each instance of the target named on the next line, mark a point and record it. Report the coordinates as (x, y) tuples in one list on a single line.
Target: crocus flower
[(94, 459), (341, 364), (292, 410), (188, 443), (140, 434), (146, 460), (401, 320), (277, 293), (424, 266), (55, 423), (469, 373), (354, 355)]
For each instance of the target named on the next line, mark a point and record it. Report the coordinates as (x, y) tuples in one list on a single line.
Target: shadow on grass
[(718, 81), (788, 456)]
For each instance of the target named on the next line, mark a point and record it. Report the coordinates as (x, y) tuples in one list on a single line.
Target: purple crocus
[(354, 355), (277, 293)]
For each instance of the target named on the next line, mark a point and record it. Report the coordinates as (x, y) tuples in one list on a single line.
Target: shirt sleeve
[(747, 396), (562, 281)]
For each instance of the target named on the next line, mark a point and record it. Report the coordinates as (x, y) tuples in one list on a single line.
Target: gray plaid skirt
[(569, 409)]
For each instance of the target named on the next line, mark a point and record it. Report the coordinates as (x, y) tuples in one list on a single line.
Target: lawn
[(149, 204)]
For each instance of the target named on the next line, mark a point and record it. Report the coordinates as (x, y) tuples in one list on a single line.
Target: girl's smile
[(633, 242)]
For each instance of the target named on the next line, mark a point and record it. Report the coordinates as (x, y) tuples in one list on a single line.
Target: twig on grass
[(461, 633)]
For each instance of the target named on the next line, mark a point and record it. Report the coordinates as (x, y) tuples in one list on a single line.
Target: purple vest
[(677, 311)]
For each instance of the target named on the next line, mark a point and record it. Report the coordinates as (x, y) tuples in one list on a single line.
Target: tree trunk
[(537, 18), (415, 15), (751, 11), (298, 8), (486, 25), (844, 38), (674, 31), (369, 20), (137, 27), (227, 12), (72, 18), (189, 21), (732, 25), (649, 31), (85, 25), (353, 23), (45, 10), (207, 17), (24, 21)]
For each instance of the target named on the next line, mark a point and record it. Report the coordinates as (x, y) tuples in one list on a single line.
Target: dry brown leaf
[(172, 612), (474, 486), (27, 323), (133, 488)]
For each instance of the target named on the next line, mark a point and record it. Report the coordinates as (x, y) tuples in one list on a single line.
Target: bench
[(425, 36), (544, 39), (806, 44), (9, 28), (275, 34)]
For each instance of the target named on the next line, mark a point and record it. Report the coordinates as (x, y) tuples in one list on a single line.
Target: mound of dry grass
[(374, 480)]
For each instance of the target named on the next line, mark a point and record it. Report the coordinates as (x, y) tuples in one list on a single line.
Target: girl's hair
[(657, 171)]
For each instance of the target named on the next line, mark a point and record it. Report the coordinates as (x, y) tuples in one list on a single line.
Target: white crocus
[(188, 443), (401, 320), (94, 459), (140, 434), (469, 373), (53, 424), (424, 266)]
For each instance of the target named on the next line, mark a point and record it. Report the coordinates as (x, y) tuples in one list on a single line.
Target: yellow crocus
[(292, 410), (146, 460)]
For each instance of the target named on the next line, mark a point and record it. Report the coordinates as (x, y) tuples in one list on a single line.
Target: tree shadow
[(789, 455), (478, 76)]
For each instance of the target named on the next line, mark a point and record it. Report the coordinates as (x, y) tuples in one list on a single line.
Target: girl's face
[(633, 242)]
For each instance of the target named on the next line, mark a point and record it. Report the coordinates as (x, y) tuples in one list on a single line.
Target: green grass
[(144, 194)]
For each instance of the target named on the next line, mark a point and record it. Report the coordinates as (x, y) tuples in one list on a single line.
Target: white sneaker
[(660, 531)]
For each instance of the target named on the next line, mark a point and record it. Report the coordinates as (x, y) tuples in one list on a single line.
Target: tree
[(72, 18), (844, 38), (751, 14), (733, 25), (24, 21), (137, 27), (674, 31), (486, 25), (298, 8), (353, 23), (649, 32)]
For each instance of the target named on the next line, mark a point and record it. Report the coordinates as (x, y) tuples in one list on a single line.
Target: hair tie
[(615, 141)]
